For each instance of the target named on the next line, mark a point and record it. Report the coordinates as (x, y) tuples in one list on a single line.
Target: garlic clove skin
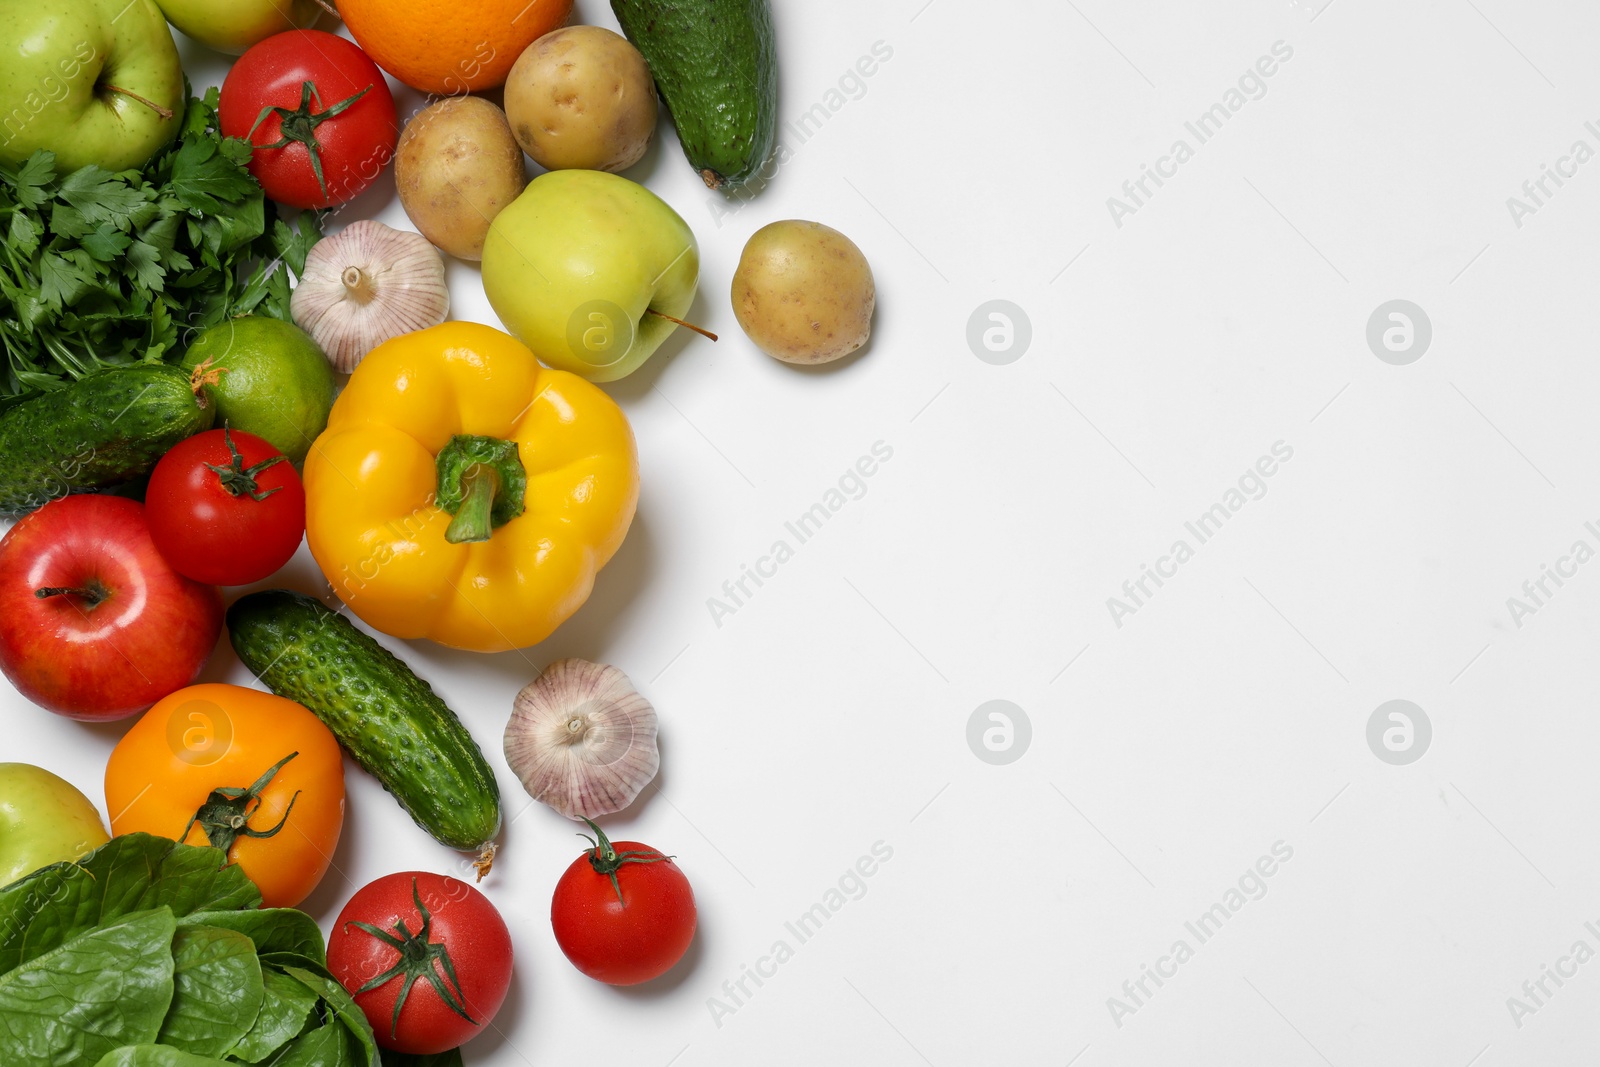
[(365, 285), (582, 739)]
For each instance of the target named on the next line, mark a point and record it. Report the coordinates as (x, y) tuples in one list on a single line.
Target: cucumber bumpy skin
[(716, 68), (389, 720), (102, 430)]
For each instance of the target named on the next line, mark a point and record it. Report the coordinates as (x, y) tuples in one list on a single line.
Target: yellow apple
[(232, 26)]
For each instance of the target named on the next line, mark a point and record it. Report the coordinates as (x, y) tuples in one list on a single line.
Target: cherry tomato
[(426, 957), (168, 776), (225, 508), (318, 112), (623, 913)]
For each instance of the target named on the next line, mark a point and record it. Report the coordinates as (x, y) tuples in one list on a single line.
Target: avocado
[(716, 67)]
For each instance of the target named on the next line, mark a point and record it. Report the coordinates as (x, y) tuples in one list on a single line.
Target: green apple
[(94, 81), (232, 26), (585, 267), (43, 820)]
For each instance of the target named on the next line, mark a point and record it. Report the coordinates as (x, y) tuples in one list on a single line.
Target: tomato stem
[(300, 125), (225, 816), (605, 859), (417, 956), (240, 480)]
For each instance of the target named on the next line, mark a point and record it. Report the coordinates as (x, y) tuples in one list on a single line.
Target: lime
[(266, 377)]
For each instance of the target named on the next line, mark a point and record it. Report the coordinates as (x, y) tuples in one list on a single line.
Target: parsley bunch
[(102, 269)]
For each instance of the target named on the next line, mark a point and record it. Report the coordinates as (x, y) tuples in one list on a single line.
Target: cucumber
[(102, 430), (389, 720), (716, 67)]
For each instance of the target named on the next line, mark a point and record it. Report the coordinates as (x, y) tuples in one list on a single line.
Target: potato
[(803, 292), (581, 98), (456, 166)]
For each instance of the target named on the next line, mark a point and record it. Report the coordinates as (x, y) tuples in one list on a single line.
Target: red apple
[(94, 624)]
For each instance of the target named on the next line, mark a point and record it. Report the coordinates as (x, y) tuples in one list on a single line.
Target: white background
[(1168, 754)]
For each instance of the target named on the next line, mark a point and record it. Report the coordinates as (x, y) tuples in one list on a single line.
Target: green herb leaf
[(99, 194), (33, 180), (99, 266)]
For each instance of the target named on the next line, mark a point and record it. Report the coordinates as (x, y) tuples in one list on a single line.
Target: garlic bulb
[(582, 739), (365, 285)]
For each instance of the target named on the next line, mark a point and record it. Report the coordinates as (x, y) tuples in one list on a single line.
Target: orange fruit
[(450, 47)]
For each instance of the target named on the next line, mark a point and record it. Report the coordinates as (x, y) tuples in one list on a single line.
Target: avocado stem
[(164, 112), (702, 331)]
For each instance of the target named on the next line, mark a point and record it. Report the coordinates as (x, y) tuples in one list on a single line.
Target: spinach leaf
[(343, 1007), (134, 872), (156, 1056), (217, 990), (272, 930), (327, 1046), (104, 989), (285, 1007)]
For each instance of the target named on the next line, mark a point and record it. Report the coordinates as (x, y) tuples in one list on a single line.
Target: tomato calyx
[(240, 480), (300, 125), (417, 956), (225, 816), (91, 592), (606, 860)]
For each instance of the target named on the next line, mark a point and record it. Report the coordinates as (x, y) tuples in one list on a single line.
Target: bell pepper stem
[(482, 484), (472, 520)]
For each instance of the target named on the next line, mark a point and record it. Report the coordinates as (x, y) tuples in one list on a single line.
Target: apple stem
[(702, 331), (329, 8), (164, 112), (93, 592)]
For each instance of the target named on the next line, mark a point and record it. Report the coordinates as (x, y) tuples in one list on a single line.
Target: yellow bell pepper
[(464, 493)]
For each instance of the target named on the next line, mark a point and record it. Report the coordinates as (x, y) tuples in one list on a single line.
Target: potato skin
[(803, 292), (582, 98), (456, 166)]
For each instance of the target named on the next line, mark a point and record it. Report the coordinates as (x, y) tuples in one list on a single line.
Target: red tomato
[(318, 112), (623, 913), (226, 508), (431, 930), (94, 623)]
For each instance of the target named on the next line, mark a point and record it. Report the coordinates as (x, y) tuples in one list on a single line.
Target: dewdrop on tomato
[(582, 739), (368, 284)]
